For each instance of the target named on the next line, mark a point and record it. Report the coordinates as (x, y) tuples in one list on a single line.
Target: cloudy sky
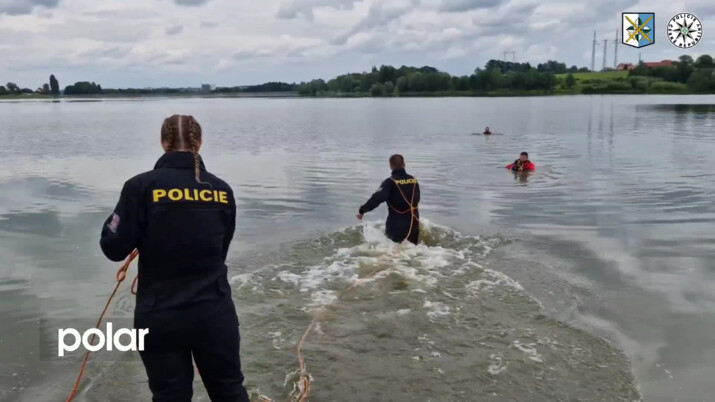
[(143, 43)]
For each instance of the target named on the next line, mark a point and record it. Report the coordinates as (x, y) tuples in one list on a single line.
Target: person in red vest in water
[(523, 164)]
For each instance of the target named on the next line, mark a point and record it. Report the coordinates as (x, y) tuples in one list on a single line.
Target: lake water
[(590, 279)]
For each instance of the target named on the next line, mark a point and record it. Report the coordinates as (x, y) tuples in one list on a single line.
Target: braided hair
[(183, 133)]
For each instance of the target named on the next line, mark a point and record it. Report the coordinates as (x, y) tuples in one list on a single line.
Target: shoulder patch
[(114, 224)]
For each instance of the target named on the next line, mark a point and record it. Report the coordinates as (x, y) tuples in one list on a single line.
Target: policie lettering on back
[(187, 194)]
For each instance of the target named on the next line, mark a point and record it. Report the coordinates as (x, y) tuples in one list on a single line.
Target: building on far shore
[(651, 64), (206, 88), (662, 63)]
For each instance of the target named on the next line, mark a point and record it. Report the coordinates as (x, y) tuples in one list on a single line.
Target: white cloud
[(455, 52), (540, 53), (365, 42), (18, 7), (174, 30), (185, 42), (380, 15), (466, 5), (191, 3), (289, 9)]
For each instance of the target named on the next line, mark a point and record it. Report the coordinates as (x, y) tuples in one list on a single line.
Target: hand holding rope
[(120, 276)]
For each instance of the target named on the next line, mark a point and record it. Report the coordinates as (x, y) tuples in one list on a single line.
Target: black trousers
[(208, 333), (398, 232)]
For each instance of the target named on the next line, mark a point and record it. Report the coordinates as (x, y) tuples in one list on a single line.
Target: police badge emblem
[(685, 30), (638, 29)]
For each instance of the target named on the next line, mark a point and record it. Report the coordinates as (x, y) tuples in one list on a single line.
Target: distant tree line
[(387, 80), (83, 88), (267, 87), (550, 66), (54, 85), (144, 91), (13, 89), (698, 75), (53, 88), (496, 76)]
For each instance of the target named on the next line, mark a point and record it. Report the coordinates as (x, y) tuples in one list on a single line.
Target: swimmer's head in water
[(397, 162), (524, 156), (182, 133)]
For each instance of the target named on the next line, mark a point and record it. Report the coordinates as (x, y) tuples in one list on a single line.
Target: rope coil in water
[(121, 275), (304, 380), (304, 377)]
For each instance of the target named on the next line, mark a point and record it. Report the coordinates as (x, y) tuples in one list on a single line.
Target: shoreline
[(525, 94)]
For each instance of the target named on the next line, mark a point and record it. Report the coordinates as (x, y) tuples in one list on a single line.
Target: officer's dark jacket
[(181, 228), (398, 225)]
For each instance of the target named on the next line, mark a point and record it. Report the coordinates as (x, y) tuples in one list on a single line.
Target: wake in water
[(429, 323), (432, 322)]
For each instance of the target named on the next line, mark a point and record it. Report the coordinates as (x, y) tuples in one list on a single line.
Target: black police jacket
[(181, 228), (399, 217)]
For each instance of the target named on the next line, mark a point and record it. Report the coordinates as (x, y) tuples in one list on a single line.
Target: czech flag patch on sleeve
[(114, 224)]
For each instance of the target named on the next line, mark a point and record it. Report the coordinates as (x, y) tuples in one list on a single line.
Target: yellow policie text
[(187, 194), (408, 181)]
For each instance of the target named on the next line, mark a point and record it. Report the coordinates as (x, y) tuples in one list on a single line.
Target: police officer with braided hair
[(181, 219), (401, 192)]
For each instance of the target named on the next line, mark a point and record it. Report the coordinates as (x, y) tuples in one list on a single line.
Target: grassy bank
[(436, 94), (28, 96), (599, 75), (616, 83)]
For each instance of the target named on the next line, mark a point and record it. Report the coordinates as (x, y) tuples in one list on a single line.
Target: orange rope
[(410, 208), (304, 379), (121, 275)]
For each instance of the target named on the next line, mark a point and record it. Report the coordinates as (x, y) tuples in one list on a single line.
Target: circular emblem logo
[(685, 30)]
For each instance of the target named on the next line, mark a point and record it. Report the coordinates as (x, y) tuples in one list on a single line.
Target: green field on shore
[(598, 75)]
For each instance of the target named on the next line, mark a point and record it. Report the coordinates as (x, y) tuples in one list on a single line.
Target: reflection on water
[(613, 234), (680, 108), (522, 177)]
